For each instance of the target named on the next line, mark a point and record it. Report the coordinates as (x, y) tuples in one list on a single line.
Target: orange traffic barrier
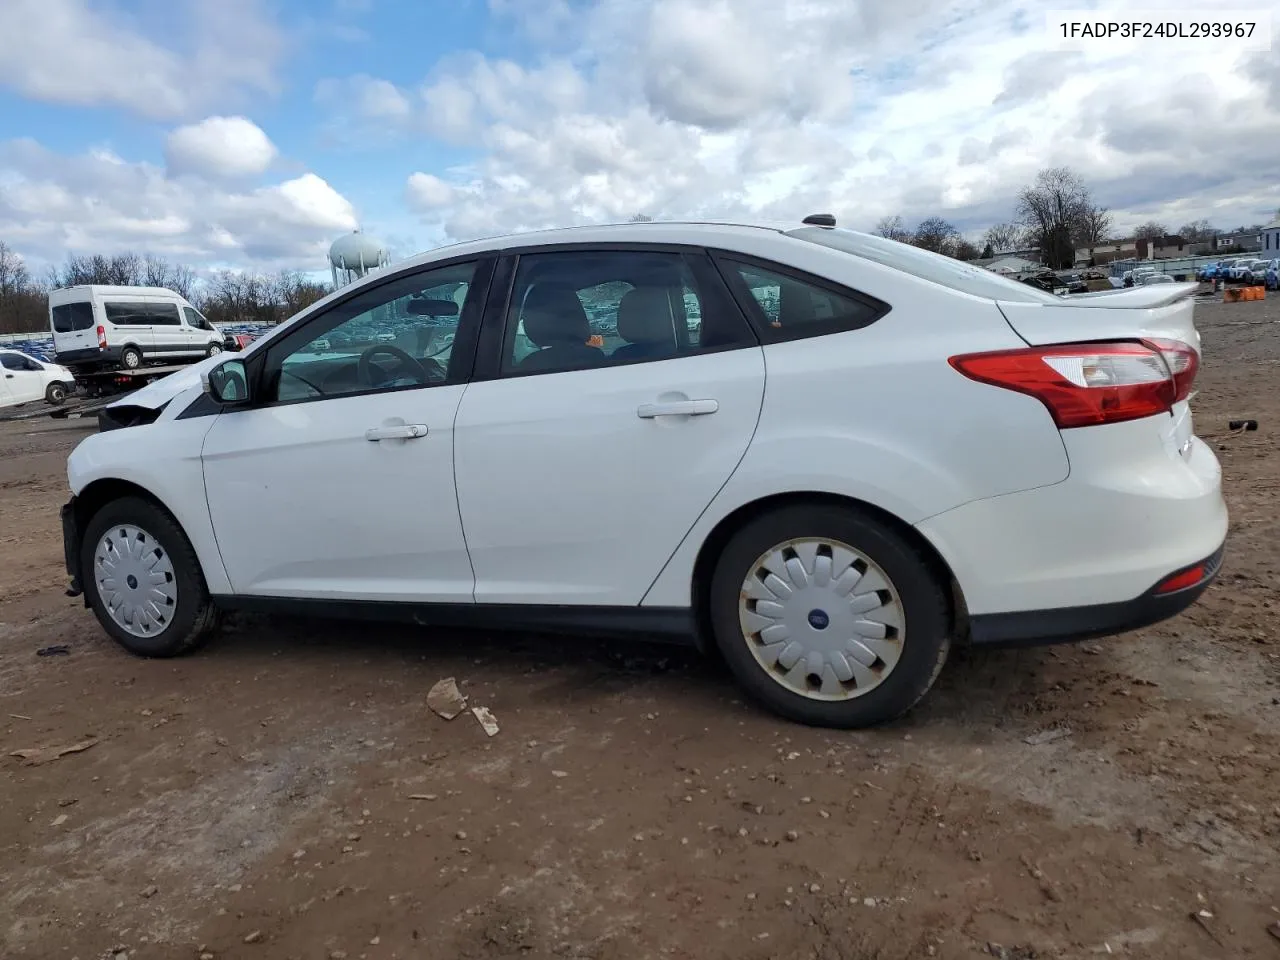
[(1232, 294)]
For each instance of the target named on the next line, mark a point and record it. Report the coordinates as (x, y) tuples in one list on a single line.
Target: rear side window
[(128, 313), (70, 317), (165, 314), (791, 306)]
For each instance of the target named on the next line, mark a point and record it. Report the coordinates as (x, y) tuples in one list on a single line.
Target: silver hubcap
[(131, 359), (822, 619), (214, 349), (135, 580)]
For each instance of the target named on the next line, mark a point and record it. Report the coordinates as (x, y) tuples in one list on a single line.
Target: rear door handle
[(677, 408), (405, 431)]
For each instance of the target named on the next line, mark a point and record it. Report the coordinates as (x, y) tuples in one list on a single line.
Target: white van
[(99, 326)]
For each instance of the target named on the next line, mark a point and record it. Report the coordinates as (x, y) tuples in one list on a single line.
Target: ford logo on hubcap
[(819, 620)]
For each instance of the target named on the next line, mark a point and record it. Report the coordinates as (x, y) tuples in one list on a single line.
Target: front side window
[(396, 336), (11, 361), (194, 319), (70, 317), (583, 309)]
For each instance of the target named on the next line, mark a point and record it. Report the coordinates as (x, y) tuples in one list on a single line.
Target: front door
[(626, 393), (338, 484), (24, 379), (196, 331)]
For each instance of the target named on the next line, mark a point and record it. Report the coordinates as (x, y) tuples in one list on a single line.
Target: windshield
[(955, 274)]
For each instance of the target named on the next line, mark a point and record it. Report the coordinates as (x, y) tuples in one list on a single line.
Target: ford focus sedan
[(827, 456)]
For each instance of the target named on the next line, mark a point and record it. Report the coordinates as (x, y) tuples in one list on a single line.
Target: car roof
[(100, 289)]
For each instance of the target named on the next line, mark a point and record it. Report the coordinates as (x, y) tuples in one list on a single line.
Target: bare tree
[(892, 228), (1049, 210), (965, 250), (937, 235), (1001, 237), (1197, 230), (24, 306), (1151, 230), (1094, 226)]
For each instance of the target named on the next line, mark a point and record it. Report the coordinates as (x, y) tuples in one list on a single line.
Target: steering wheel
[(365, 370)]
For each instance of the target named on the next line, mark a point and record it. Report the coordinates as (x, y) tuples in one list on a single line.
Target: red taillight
[(1183, 362), (1180, 581), (1087, 384), (102, 338)]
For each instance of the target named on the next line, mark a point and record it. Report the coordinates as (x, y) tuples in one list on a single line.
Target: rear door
[(617, 392), (128, 323), (73, 326)]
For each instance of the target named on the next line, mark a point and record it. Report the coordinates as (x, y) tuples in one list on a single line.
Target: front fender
[(163, 459)]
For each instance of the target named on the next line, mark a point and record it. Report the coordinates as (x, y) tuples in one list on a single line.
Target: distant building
[(1271, 240), (1162, 248), (1247, 241), (1106, 252)]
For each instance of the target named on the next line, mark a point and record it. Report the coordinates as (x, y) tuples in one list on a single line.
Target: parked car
[(866, 454), (1208, 271), (235, 342), (1241, 270), (1047, 281), (1273, 275), (1258, 271), (1075, 282), (96, 327), (25, 379), (1147, 278)]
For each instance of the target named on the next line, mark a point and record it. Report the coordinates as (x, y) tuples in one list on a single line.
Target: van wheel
[(55, 393), (829, 616), (144, 581), (214, 350), (131, 358)]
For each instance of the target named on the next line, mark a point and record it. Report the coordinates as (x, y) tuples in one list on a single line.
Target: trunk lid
[(1159, 311)]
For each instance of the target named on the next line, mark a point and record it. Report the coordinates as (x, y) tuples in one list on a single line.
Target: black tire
[(131, 358), (925, 600), (213, 350), (56, 393), (193, 619)]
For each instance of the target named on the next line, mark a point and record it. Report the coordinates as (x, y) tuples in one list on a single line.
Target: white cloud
[(779, 108), (51, 204), (426, 191), (69, 52), (219, 147)]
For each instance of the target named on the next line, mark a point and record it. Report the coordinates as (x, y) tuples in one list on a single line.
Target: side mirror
[(227, 382)]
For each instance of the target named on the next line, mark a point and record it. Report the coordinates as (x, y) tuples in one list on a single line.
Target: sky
[(248, 134)]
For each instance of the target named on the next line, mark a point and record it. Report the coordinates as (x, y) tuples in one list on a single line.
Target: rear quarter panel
[(878, 414)]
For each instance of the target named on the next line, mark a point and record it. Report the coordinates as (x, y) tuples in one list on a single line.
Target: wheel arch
[(731, 523)]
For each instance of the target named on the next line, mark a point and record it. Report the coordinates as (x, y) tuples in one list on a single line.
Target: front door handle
[(404, 431), (677, 408)]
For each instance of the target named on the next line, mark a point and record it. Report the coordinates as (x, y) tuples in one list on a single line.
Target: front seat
[(556, 323), (644, 321)]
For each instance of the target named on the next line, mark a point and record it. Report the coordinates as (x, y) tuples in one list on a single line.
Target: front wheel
[(214, 350), (144, 581), (829, 616), (55, 393)]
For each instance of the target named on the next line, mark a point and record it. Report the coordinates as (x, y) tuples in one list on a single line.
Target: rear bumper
[(89, 359), (1102, 620)]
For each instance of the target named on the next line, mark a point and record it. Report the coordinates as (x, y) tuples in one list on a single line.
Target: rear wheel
[(144, 581), (55, 393), (131, 358), (829, 616)]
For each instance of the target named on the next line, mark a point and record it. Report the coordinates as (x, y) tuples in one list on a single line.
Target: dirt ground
[(286, 792)]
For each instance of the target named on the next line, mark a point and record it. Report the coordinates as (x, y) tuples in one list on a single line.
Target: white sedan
[(25, 379), (829, 456)]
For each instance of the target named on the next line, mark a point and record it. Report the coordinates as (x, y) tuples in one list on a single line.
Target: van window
[(164, 314), (70, 317), (195, 319), (128, 313)]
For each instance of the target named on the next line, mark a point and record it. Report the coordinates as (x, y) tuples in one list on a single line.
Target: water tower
[(353, 256)]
